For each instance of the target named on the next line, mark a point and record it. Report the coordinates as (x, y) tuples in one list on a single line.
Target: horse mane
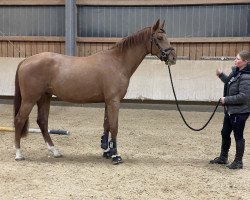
[(134, 39)]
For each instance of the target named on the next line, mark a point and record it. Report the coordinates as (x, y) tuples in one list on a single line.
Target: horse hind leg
[(42, 121), (21, 123)]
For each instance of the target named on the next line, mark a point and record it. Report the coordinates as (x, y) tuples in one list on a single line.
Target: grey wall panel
[(182, 21), (32, 20), (115, 21)]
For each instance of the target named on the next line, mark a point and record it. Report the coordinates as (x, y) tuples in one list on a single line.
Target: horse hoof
[(106, 155), (57, 155), (19, 158), (54, 151), (116, 159)]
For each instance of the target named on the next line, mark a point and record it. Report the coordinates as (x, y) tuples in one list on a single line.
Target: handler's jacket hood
[(237, 90), (246, 69)]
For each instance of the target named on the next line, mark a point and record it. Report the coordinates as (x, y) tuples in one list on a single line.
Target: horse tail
[(17, 102)]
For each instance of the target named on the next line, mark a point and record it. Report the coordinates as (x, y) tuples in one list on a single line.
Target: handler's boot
[(237, 163), (223, 158)]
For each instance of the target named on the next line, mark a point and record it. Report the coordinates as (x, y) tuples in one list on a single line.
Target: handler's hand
[(222, 100), (218, 71)]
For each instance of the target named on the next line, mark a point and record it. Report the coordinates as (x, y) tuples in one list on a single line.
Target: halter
[(164, 52)]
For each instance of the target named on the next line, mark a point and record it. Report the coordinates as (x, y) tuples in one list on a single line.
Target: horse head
[(160, 45)]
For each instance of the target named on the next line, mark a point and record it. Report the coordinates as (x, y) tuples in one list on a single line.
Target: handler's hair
[(245, 55)]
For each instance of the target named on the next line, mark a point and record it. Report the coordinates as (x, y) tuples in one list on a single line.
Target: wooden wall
[(191, 49), (198, 48), (27, 46), (187, 48)]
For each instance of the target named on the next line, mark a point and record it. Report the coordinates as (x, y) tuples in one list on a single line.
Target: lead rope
[(177, 104)]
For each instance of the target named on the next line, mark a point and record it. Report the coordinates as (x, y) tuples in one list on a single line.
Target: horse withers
[(101, 77)]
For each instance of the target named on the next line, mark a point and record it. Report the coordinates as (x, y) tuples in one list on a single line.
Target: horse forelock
[(137, 38)]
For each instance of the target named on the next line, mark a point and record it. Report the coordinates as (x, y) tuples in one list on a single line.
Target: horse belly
[(79, 93)]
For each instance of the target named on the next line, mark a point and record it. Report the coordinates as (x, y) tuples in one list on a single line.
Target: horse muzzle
[(168, 56)]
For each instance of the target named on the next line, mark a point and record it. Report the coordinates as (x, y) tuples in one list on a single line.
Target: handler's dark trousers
[(235, 123)]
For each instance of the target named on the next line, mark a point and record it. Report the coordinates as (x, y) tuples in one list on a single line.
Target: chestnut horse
[(102, 77)]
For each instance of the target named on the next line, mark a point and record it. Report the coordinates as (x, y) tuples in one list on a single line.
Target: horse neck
[(132, 57), (132, 50)]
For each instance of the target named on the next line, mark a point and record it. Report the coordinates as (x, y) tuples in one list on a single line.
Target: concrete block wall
[(193, 80)]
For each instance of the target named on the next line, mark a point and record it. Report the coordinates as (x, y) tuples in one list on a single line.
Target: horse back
[(73, 79)]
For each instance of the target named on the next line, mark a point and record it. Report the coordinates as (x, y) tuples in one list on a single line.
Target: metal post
[(70, 27)]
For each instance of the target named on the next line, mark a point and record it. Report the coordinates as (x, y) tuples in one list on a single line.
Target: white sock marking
[(55, 152)]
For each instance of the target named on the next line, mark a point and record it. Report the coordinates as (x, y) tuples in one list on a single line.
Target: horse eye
[(159, 37)]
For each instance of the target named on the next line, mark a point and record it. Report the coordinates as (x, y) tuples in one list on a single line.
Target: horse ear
[(162, 25), (156, 26)]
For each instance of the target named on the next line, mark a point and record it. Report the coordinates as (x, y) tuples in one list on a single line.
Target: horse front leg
[(105, 136), (113, 112)]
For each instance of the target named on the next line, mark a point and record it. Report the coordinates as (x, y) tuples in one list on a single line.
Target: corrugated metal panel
[(116, 21), (32, 20), (182, 21)]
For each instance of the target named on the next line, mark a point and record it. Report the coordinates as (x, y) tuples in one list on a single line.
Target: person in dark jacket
[(236, 102)]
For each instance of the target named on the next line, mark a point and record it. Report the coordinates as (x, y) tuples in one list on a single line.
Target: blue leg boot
[(105, 144), (112, 153)]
